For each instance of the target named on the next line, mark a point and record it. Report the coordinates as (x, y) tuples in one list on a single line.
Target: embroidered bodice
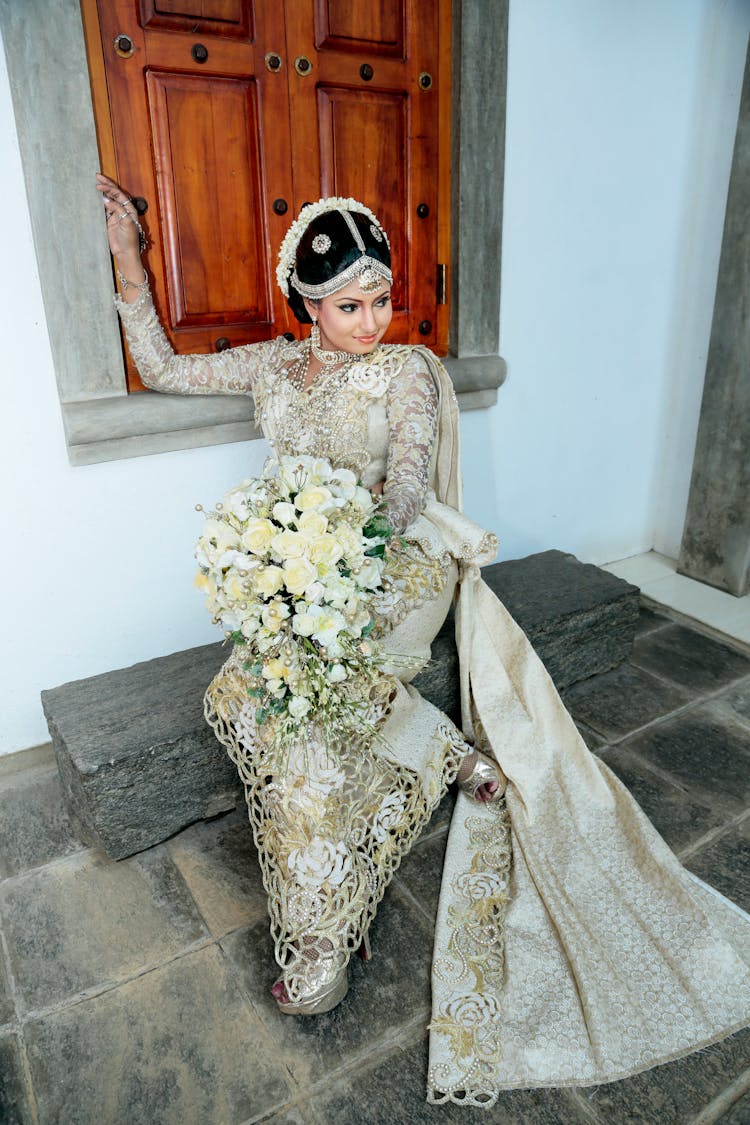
[(377, 417)]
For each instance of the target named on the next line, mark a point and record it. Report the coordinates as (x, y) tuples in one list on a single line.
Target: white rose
[(258, 535), (298, 575), (314, 497), (303, 624), (369, 572), (344, 483), (336, 673), (325, 550), (298, 706), (312, 524), (363, 499), (218, 538), (351, 542), (289, 545), (236, 501), (274, 614), (329, 623), (269, 580), (249, 627), (388, 816), (284, 513)]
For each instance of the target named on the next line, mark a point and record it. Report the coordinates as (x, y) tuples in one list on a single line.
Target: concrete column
[(716, 541)]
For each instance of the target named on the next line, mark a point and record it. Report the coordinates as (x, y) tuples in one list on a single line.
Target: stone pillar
[(716, 541)]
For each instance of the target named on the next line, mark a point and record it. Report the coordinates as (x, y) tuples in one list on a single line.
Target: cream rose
[(269, 581), (369, 572), (312, 524), (303, 624), (289, 545), (298, 575), (236, 586), (258, 535), (314, 496), (325, 550), (350, 541)]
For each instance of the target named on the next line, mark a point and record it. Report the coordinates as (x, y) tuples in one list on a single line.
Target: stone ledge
[(138, 761)]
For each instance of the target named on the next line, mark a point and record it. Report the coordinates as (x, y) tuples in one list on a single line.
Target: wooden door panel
[(378, 170), (199, 17), (377, 27), (212, 222)]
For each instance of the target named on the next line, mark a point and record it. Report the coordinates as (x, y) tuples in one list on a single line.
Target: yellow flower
[(236, 586), (298, 575), (257, 535)]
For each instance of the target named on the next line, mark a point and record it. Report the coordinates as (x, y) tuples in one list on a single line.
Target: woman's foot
[(320, 991), (481, 778)]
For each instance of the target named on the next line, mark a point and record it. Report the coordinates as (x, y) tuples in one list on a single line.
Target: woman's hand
[(377, 489), (123, 226)]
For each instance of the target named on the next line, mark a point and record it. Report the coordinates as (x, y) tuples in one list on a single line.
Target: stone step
[(138, 762)]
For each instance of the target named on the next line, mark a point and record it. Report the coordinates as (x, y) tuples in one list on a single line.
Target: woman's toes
[(278, 991)]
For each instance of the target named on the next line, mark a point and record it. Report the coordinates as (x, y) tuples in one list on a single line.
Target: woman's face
[(352, 321)]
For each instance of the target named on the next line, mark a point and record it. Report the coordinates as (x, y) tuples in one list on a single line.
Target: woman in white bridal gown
[(571, 947)]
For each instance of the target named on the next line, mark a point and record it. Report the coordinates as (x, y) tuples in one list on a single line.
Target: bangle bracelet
[(125, 284)]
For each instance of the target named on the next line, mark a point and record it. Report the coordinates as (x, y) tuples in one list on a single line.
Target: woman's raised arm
[(231, 372)]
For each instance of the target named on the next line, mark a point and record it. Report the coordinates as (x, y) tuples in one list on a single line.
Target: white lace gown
[(571, 947)]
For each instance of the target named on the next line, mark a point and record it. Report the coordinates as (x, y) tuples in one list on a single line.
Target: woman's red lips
[(366, 339)]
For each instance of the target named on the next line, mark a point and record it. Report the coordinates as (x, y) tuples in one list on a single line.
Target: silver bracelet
[(125, 284)]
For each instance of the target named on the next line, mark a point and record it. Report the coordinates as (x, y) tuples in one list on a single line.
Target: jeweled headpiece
[(332, 243)]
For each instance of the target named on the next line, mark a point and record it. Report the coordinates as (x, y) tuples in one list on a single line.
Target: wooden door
[(202, 113)]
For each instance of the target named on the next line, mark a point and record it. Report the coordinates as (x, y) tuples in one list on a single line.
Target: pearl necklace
[(298, 377)]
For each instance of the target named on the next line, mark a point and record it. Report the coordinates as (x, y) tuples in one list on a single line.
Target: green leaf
[(261, 715), (256, 692), (237, 637), (368, 628), (376, 552)]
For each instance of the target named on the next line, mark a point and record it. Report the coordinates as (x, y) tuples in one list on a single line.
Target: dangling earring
[(315, 334)]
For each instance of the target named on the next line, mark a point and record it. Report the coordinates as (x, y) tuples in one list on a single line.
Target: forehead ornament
[(321, 243)]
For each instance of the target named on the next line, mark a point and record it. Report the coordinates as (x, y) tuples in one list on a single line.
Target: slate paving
[(137, 992)]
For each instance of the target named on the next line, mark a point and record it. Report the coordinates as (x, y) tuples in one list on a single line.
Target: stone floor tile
[(34, 826), (219, 863), (618, 702), (704, 753), (14, 1104), (441, 817), (421, 872), (384, 994), (673, 1094), (735, 703), (296, 1115), (593, 740), (725, 864), (689, 659), (679, 817), (392, 1092), (86, 922), (178, 1045), (648, 620)]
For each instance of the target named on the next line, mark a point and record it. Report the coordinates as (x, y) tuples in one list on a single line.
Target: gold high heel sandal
[(327, 988), (484, 772)]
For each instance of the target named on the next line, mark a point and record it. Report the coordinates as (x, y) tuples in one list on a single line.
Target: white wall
[(610, 227)]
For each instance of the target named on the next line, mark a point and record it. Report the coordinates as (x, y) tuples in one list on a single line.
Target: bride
[(571, 948)]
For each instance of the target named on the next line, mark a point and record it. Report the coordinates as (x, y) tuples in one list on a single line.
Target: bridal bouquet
[(292, 564)]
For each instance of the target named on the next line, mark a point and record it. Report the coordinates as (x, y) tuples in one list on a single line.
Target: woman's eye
[(382, 302), (347, 308)]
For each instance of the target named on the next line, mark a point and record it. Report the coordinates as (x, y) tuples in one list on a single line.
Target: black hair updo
[(327, 248)]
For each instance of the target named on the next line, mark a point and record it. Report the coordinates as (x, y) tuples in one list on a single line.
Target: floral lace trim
[(471, 1019), (330, 834), (412, 577)]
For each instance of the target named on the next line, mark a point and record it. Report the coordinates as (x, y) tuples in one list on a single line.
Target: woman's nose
[(368, 320)]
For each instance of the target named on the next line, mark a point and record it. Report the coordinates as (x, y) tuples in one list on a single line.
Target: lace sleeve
[(412, 405), (232, 372)]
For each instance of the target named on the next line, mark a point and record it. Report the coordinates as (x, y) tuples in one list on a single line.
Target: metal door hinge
[(440, 284)]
